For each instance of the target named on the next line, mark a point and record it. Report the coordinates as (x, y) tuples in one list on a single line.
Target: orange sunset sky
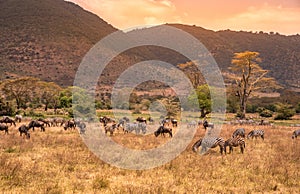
[(281, 16)]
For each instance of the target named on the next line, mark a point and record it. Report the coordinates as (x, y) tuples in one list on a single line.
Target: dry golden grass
[(57, 161)]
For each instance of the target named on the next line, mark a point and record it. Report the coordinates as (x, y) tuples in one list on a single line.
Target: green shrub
[(266, 113)]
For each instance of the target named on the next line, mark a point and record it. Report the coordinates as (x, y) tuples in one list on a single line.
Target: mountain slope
[(46, 38)]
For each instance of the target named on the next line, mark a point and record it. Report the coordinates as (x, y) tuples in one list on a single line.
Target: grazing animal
[(58, 122), (209, 142), (82, 127), (206, 125), (141, 120), (105, 120), (162, 130), (46, 121), (110, 128), (18, 118), (8, 120), (239, 132), (174, 122), (196, 145), (151, 120), (192, 124), (24, 129), (296, 133), (256, 133), (34, 124), (234, 142), (137, 127), (70, 124), (4, 128)]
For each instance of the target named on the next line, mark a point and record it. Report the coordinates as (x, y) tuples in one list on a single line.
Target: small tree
[(248, 77), (284, 111), (201, 99)]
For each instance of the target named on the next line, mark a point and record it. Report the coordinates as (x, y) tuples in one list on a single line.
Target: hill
[(48, 39)]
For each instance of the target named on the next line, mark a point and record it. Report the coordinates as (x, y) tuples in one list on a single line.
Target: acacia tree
[(49, 94), (201, 99), (248, 77), (21, 90)]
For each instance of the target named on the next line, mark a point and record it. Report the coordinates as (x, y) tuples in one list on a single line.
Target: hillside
[(48, 39)]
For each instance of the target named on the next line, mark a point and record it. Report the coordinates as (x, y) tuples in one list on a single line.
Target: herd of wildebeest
[(166, 126)]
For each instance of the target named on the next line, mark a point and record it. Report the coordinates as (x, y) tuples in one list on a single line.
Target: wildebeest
[(234, 142), (46, 121), (110, 127), (162, 130), (70, 124), (206, 125), (18, 118), (58, 122), (24, 129), (151, 120), (141, 120), (105, 120), (4, 128), (7, 120), (34, 124), (296, 133)]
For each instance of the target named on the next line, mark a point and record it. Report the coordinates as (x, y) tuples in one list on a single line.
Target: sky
[(281, 16)]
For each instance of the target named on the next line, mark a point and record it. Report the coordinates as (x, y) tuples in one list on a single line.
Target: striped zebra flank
[(239, 132), (256, 133), (235, 142), (212, 142), (296, 133)]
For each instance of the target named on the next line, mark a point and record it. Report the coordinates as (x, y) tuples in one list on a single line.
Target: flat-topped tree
[(248, 78)]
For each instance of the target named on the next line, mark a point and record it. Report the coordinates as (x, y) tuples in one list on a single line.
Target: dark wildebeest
[(206, 125), (162, 130), (24, 129), (141, 120), (46, 121), (296, 133), (34, 124), (8, 120), (4, 128), (57, 121), (18, 118), (110, 127), (70, 124), (105, 120)]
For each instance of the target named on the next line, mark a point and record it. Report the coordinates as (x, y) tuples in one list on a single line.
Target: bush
[(298, 108), (285, 112), (266, 113)]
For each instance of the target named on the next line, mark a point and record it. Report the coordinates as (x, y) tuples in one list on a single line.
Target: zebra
[(256, 133), (82, 127), (137, 127), (209, 142), (234, 142), (296, 133), (239, 132)]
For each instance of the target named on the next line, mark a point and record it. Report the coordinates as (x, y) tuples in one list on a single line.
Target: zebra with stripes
[(235, 142), (209, 142), (239, 132), (296, 133), (256, 133)]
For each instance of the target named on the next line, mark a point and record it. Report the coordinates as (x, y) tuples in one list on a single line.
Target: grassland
[(57, 161)]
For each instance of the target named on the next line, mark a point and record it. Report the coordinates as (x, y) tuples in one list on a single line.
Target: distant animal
[(141, 120), (206, 125), (110, 127), (35, 123), (18, 118), (162, 130), (209, 142), (256, 133), (46, 121), (296, 133), (151, 120), (82, 127), (24, 129), (263, 122), (58, 122), (70, 124), (105, 120), (7, 120), (174, 122), (239, 132), (4, 128), (192, 124), (137, 127), (234, 142)]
